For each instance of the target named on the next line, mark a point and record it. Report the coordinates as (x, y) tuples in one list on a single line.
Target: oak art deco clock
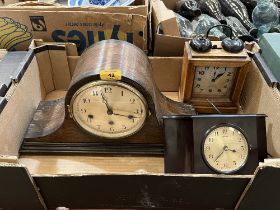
[(213, 80), (112, 106)]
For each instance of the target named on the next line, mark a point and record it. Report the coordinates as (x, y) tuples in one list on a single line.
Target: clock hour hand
[(232, 150), (109, 108), (128, 116), (217, 77)]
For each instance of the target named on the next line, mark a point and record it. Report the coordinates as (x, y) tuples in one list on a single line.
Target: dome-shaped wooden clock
[(112, 106)]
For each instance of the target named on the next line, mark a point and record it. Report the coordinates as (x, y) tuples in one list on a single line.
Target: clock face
[(225, 149), (109, 109), (213, 81)]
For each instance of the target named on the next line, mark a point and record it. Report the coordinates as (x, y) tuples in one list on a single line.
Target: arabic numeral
[(112, 75), (201, 72), (225, 131), (211, 156), (108, 90), (132, 100), (138, 112)]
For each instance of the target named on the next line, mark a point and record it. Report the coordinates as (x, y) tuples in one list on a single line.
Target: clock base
[(51, 131), (91, 148)]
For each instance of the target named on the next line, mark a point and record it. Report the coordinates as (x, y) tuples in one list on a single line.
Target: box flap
[(170, 4), (142, 191), (11, 69), (164, 17), (18, 190), (263, 190), (32, 5)]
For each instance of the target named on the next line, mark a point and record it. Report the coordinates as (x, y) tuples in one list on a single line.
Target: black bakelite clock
[(223, 144)]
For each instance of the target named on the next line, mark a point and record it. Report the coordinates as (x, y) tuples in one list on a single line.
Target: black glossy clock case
[(184, 136)]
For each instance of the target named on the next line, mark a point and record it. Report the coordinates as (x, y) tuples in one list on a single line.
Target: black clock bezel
[(205, 137)]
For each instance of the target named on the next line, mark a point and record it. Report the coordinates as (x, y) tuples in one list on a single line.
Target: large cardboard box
[(21, 22), (46, 182)]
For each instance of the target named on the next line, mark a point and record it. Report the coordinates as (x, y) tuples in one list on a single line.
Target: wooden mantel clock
[(112, 106), (212, 81)]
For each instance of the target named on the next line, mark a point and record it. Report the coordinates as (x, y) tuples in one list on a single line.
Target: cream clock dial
[(213, 81), (109, 109), (225, 149)]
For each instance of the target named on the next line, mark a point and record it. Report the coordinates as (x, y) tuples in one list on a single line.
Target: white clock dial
[(109, 109), (225, 149), (213, 81)]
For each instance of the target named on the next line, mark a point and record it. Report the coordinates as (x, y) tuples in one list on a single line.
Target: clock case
[(184, 137), (216, 57), (52, 130)]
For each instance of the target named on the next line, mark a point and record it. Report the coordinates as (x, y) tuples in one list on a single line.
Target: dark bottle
[(275, 29), (238, 29), (188, 9), (185, 26), (202, 24), (250, 5), (237, 9), (213, 8)]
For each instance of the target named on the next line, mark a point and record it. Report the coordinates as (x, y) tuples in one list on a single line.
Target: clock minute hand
[(224, 149), (109, 108)]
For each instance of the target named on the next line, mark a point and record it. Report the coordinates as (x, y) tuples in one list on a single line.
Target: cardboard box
[(46, 182), (21, 22), (168, 43), (7, 2)]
